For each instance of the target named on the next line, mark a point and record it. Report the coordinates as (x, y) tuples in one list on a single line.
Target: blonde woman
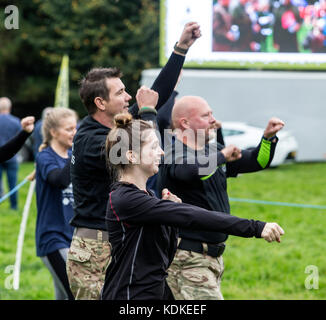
[(54, 196)]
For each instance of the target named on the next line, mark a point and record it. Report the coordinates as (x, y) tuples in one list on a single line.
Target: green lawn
[(254, 269)]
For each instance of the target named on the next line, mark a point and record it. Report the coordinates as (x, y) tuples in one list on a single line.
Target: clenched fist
[(167, 195), (190, 34), (274, 125), (272, 231), (28, 124), (146, 97), (231, 153)]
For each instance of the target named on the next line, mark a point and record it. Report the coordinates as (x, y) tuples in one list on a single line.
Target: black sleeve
[(60, 178), (8, 150), (167, 79), (148, 114), (253, 160), (165, 82), (189, 172), (219, 136), (164, 114), (136, 207), (133, 110)]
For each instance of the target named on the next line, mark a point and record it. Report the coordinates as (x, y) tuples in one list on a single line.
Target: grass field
[(254, 269)]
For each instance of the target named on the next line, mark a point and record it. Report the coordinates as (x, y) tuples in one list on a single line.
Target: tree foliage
[(92, 32)]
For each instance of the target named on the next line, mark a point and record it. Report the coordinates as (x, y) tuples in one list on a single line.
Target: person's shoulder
[(15, 119), (10, 118), (122, 195), (91, 130), (44, 155)]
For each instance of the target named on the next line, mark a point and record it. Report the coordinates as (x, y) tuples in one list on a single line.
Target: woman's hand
[(167, 195)]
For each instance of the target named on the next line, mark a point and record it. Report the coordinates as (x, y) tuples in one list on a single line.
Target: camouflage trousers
[(194, 276), (87, 262)]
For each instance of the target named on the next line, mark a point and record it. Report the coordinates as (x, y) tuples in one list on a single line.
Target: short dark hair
[(94, 85)]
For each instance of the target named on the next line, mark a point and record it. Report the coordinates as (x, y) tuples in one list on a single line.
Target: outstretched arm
[(8, 150), (204, 166), (168, 77), (261, 157), (142, 209)]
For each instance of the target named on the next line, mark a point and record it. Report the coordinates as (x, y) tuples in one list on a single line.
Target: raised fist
[(274, 125), (146, 97), (190, 34)]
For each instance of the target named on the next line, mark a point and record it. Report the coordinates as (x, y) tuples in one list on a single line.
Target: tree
[(92, 32)]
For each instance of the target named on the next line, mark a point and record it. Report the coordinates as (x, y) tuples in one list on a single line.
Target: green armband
[(147, 109), (264, 153)]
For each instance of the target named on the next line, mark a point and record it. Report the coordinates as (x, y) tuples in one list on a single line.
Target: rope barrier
[(276, 203), (20, 241), (12, 191)]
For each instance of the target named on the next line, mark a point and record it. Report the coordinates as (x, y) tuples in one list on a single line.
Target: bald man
[(9, 127), (196, 171)]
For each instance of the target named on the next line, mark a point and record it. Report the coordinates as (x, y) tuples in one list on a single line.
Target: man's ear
[(99, 102), (184, 124)]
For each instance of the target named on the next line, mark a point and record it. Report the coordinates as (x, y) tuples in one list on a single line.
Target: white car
[(245, 136)]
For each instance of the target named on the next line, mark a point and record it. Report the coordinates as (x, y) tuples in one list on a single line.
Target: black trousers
[(56, 263)]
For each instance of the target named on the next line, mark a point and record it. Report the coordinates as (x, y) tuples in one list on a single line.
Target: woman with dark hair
[(143, 228)]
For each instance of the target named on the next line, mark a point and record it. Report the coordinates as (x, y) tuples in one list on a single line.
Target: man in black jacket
[(196, 172), (104, 95)]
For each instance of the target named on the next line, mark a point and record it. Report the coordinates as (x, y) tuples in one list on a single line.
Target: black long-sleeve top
[(143, 235), (187, 176), (60, 178), (8, 150), (89, 175)]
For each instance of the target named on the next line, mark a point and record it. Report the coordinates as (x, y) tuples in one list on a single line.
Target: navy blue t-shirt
[(37, 135), (54, 206)]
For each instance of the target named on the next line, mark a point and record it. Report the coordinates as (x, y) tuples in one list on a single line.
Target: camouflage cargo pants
[(86, 266), (194, 276)]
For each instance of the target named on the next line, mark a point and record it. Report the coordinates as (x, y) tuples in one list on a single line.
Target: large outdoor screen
[(267, 34)]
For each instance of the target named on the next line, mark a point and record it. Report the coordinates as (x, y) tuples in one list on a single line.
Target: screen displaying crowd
[(297, 26)]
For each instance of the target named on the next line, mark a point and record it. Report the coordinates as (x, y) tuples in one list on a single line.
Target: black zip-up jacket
[(89, 175), (207, 188), (143, 235)]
